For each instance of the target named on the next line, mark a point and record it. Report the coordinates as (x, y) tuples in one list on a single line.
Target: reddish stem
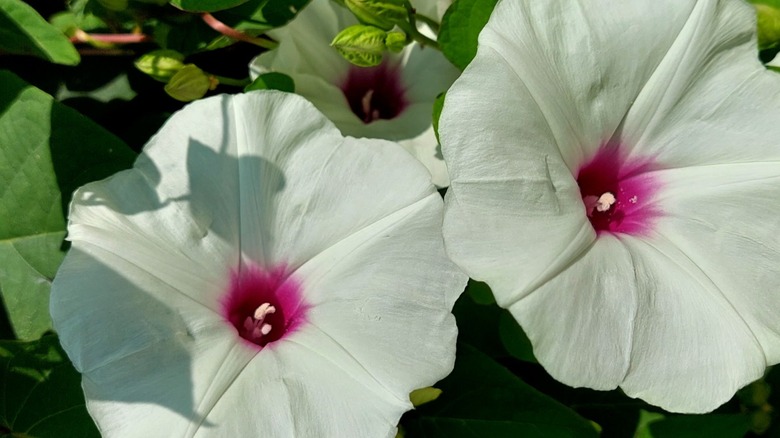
[(229, 32), (113, 38)]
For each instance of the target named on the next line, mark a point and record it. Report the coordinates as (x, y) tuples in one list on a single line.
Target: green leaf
[(206, 5), (478, 325), (272, 81), (514, 338), (40, 392), (261, 15), (24, 32), (48, 151), (483, 399), (696, 426), (460, 28), (478, 291), (646, 418)]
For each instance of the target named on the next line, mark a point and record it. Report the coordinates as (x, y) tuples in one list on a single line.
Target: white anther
[(265, 329), (605, 201), (600, 204), (264, 310)]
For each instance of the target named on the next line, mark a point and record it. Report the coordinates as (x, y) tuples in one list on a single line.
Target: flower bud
[(361, 45), (188, 84), (395, 41), (161, 65), (768, 24), (383, 14)]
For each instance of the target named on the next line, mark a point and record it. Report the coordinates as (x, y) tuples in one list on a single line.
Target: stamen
[(265, 329), (601, 203), (365, 102), (605, 201), (263, 310)]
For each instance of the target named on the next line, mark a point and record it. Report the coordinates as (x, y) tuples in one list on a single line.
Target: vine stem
[(110, 38), (411, 28), (229, 32), (232, 82)]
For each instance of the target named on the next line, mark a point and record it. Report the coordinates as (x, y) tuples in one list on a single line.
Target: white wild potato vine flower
[(257, 274), (392, 101), (616, 180)]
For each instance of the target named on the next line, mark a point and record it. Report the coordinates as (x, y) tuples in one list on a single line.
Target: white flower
[(257, 274), (615, 179), (393, 101)]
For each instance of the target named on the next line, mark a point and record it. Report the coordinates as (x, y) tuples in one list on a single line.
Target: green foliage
[(460, 28), (261, 15), (482, 398), (272, 81), (40, 392), (514, 338), (23, 31), (204, 5), (48, 151), (695, 426)]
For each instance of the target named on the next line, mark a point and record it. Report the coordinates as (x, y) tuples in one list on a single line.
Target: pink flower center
[(375, 92), (618, 191), (263, 305)]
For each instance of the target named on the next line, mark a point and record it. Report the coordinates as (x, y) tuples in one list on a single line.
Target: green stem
[(234, 82), (411, 29)]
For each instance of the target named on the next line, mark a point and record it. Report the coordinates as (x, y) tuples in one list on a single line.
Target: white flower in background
[(392, 101), (616, 180), (257, 274)]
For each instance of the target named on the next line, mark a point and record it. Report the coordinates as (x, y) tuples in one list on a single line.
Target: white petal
[(691, 350), (514, 215), (577, 61), (390, 309), (710, 101), (317, 180), (174, 215), (724, 218), (580, 322), (149, 354)]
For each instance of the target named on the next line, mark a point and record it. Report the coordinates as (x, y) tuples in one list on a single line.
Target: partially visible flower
[(615, 180), (392, 101), (257, 274)]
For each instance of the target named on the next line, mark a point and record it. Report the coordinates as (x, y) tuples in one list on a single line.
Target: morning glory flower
[(615, 180), (392, 101), (257, 274)]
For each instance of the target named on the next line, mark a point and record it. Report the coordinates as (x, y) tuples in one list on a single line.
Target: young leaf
[(48, 151), (40, 394), (24, 32), (482, 398), (460, 28)]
